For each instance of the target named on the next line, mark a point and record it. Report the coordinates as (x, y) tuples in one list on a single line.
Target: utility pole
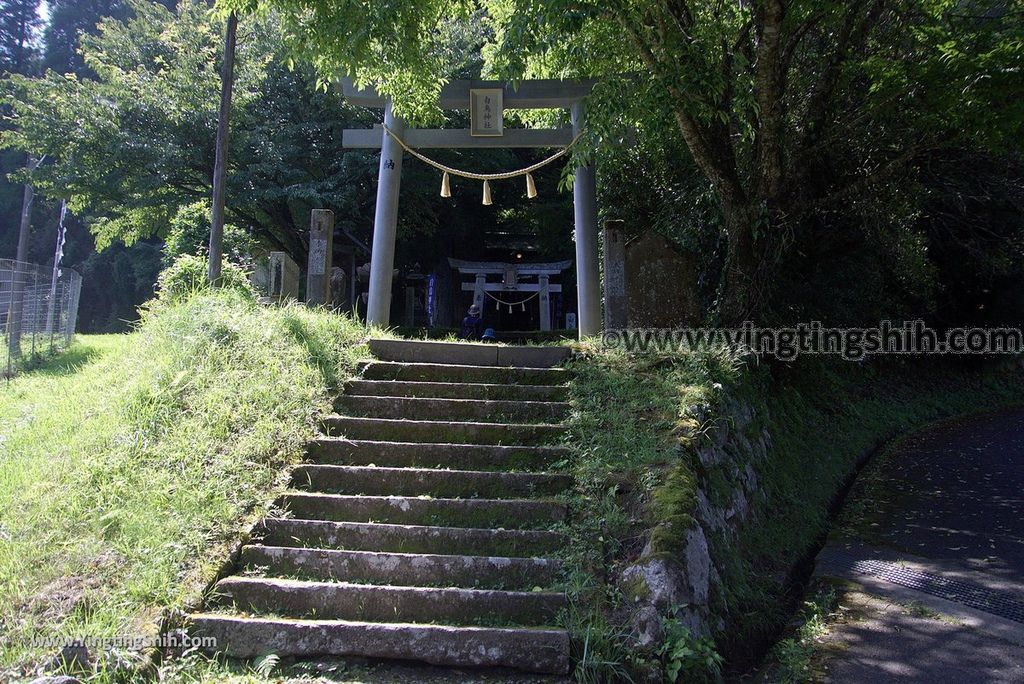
[(220, 164), (58, 254)]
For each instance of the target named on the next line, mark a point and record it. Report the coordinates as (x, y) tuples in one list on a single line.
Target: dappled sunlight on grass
[(36, 384), (84, 348)]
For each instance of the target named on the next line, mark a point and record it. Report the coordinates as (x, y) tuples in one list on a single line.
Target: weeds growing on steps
[(123, 478)]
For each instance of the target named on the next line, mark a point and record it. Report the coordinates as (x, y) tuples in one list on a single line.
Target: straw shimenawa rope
[(446, 190), (484, 176), (511, 304)]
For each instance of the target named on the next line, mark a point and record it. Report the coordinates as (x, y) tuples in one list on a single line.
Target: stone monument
[(661, 284)]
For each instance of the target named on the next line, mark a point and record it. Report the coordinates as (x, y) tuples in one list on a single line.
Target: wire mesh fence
[(38, 311)]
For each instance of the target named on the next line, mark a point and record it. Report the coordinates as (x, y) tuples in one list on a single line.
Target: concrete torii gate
[(543, 287), (535, 94)]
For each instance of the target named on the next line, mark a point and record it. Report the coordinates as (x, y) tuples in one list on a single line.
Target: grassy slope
[(130, 462), (635, 419)]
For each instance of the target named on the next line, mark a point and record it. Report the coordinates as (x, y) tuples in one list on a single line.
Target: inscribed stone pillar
[(614, 275), (321, 243)]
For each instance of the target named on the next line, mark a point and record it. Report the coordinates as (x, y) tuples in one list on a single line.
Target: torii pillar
[(385, 222), (588, 277)]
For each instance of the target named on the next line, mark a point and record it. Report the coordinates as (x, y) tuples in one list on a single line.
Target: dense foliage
[(154, 102), (68, 20), (778, 135), (119, 279), (835, 160), (129, 136), (186, 277)]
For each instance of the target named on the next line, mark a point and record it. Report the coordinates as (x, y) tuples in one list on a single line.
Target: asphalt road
[(961, 495), (950, 506)]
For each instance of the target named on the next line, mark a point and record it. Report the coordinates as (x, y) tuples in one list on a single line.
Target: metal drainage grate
[(965, 593)]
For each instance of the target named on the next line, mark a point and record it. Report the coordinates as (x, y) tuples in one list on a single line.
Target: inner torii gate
[(536, 94)]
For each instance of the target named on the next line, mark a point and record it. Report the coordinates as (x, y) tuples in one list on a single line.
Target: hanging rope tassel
[(524, 307), (531, 188), (446, 187), (510, 308)]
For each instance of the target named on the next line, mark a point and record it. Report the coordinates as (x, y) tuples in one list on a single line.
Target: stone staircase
[(420, 526)]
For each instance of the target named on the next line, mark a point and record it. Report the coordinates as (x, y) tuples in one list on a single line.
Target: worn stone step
[(403, 568), (424, 351), (436, 372), (408, 538), (455, 432), (379, 481), (532, 650), (407, 510), (340, 451), (456, 390), (420, 408), (385, 603)]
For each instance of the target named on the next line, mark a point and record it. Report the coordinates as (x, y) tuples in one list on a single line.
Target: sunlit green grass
[(128, 463), (19, 394)]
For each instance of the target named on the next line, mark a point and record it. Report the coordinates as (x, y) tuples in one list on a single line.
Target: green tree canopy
[(134, 144), (68, 20), (118, 280), (130, 140)]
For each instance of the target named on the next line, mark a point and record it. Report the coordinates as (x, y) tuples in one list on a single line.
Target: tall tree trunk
[(740, 293), (15, 314)]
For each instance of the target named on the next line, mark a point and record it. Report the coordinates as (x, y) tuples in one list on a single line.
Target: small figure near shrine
[(472, 324)]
